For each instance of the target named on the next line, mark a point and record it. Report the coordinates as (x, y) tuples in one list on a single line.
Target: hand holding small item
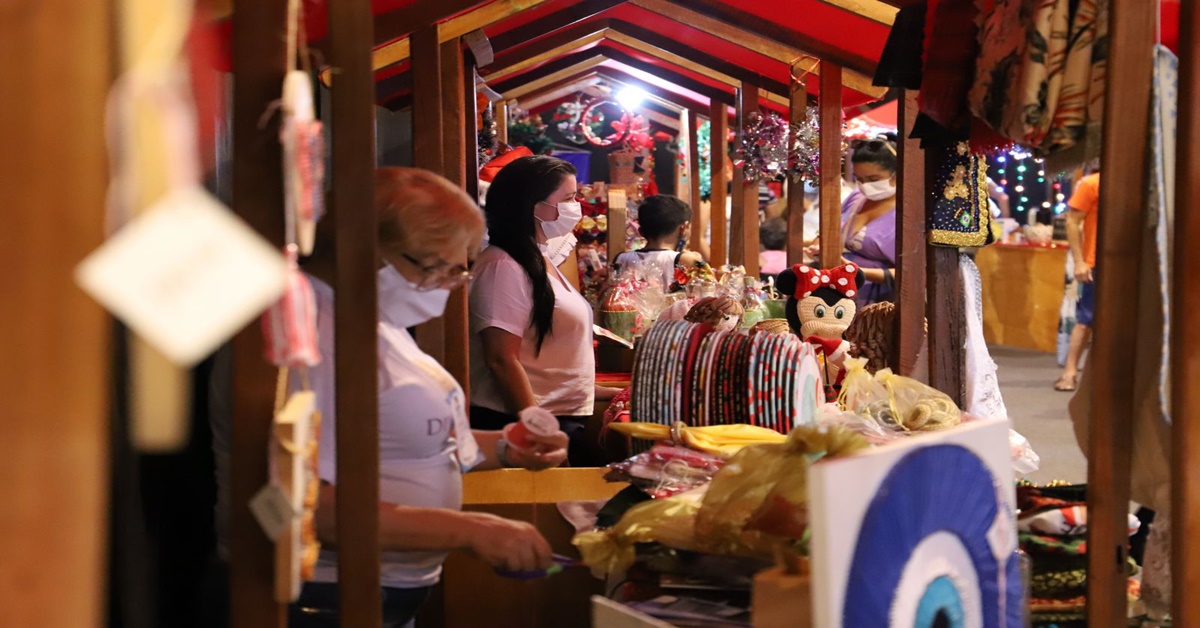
[(534, 442)]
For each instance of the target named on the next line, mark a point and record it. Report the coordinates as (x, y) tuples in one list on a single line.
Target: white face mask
[(877, 190), (569, 215), (559, 249), (402, 304)]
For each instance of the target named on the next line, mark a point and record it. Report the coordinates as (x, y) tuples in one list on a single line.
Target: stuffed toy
[(820, 307), (723, 313)]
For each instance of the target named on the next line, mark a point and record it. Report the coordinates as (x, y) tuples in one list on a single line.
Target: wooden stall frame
[(454, 167), (356, 319), (718, 132), (797, 112), (700, 221), (259, 64), (743, 223), (1122, 201), (830, 191), (910, 241), (428, 148), (1185, 327)]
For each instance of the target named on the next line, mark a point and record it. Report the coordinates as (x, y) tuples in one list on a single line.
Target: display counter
[(1022, 294)]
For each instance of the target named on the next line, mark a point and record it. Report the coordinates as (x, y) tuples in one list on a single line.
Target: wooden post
[(718, 134), (356, 319), (1185, 329), (743, 223), (428, 148), (797, 111), (945, 311), (910, 242), (455, 125), (830, 105), (57, 375), (1122, 216), (699, 221), (258, 68)]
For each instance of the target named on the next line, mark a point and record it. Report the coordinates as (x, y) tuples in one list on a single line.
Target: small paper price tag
[(185, 275), (273, 510)]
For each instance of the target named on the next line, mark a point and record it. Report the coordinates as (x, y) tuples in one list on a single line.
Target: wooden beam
[(874, 10), (259, 64), (910, 242), (428, 149), (1119, 252), (555, 78), (556, 21), (551, 47), (830, 193), (719, 169), (699, 221), (739, 18), (675, 53), (1185, 329), (743, 225), (750, 38), (686, 82), (797, 113), (946, 312), (58, 375), (456, 18), (455, 127), (355, 314)]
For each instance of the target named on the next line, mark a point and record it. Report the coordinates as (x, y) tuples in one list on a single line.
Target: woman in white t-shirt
[(429, 231), (531, 330)]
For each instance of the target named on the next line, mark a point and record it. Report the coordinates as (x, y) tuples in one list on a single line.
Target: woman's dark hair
[(880, 151), (773, 234), (662, 214), (511, 199)]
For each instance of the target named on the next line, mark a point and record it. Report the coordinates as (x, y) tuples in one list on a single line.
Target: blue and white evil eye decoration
[(933, 549)]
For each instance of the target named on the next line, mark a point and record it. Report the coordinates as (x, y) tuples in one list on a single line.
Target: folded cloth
[(1047, 544), (1065, 521), (1033, 499)]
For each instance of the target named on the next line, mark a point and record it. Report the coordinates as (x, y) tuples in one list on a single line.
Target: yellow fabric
[(719, 440)]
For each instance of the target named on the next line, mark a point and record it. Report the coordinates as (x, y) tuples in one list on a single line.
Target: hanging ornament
[(592, 121), (764, 147), (804, 149)]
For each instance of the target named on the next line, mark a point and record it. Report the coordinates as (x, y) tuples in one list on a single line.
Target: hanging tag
[(272, 510), (303, 161), (290, 325), (185, 275)]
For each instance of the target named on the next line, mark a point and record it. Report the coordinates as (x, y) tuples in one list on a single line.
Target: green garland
[(530, 132)]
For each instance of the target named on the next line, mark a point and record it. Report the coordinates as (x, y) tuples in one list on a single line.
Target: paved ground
[(1040, 413)]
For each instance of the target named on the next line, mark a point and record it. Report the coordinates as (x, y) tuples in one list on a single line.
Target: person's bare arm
[(501, 355), (548, 451), (502, 543), (1075, 218)]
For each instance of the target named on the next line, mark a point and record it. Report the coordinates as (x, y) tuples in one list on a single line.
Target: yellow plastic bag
[(668, 521), (894, 401), (759, 499), (719, 440)]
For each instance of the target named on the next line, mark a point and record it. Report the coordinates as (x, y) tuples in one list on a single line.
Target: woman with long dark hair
[(531, 330)]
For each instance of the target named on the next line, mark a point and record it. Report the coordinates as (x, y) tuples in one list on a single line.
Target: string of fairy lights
[(1027, 191)]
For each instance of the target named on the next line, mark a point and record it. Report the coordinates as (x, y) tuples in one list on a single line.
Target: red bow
[(843, 279)]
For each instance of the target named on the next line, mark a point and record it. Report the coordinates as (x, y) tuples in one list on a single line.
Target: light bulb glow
[(631, 97)]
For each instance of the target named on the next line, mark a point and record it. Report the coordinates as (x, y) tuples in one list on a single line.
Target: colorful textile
[(1033, 499), (1047, 544), (1066, 521), (961, 216), (900, 63), (1040, 73)]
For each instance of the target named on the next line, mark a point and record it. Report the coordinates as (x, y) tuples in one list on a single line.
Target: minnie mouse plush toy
[(820, 307)]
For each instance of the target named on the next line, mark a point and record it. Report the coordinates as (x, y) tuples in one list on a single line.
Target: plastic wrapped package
[(763, 490), (665, 470), (830, 415), (668, 521), (896, 401)]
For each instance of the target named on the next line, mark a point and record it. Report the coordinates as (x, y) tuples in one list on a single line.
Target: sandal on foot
[(1066, 384)]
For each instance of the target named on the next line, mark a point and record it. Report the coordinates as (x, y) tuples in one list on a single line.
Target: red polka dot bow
[(843, 278)]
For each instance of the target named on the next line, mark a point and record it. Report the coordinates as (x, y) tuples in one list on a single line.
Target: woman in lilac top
[(869, 220)]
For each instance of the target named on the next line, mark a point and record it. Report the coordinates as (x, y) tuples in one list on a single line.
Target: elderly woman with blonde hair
[(429, 234)]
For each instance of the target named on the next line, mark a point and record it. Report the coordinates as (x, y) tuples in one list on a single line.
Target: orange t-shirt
[(1086, 198)]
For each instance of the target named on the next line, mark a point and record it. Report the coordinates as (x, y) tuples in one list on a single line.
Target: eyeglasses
[(439, 275)]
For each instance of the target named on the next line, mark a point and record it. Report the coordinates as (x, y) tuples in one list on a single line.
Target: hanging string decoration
[(804, 148), (704, 152), (764, 147), (636, 131), (592, 120)]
